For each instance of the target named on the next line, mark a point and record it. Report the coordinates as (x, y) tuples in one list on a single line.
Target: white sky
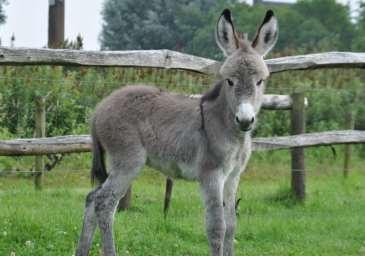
[(28, 21)]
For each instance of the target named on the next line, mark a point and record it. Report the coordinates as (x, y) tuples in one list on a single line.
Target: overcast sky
[(28, 21)]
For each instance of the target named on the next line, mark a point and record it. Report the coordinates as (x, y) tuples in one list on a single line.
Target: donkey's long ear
[(225, 35), (267, 34)]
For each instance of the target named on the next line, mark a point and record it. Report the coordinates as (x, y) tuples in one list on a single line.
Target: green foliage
[(331, 95), (138, 24), (77, 44), (359, 40), (72, 93), (334, 17)]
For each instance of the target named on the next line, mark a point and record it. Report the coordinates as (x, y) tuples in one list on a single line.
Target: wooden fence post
[(168, 192), (40, 131), (297, 154), (125, 201), (350, 123)]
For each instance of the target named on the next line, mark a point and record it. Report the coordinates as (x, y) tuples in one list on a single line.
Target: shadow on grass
[(285, 197), (133, 209)]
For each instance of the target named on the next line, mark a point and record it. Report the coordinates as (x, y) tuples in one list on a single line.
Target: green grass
[(270, 222)]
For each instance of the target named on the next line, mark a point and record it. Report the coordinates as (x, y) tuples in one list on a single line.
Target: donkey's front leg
[(212, 189), (229, 195)]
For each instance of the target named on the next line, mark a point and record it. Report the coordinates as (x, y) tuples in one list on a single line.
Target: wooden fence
[(82, 143), (174, 60)]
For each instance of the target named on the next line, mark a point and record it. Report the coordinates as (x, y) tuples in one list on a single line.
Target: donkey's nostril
[(252, 120), (237, 119)]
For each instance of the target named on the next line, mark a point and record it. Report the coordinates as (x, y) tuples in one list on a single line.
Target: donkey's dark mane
[(211, 95)]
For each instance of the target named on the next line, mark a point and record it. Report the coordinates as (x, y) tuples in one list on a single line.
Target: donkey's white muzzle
[(245, 117)]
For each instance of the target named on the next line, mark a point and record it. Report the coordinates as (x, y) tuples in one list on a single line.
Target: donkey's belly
[(173, 169)]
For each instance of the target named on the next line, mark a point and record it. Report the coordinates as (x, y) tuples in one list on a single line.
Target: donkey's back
[(136, 103), (162, 127), (128, 105)]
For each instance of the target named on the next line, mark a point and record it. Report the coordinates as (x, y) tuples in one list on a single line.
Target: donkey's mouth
[(246, 129), (243, 127)]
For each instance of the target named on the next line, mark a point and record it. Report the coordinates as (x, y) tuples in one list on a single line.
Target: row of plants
[(72, 94)]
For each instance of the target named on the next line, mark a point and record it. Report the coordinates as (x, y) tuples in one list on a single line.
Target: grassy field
[(330, 222)]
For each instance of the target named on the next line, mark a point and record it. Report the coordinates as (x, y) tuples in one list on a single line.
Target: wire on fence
[(118, 83), (2, 172)]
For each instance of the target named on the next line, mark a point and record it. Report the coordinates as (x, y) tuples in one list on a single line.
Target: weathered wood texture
[(56, 23), (40, 132), (297, 154), (350, 123), (271, 101), (82, 143), (50, 145), (318, 60), (168, 59), (309, 140), (144, 58), (277, 102)]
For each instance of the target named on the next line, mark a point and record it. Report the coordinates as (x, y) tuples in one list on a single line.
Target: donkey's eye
[(230, 82), (259, 82)]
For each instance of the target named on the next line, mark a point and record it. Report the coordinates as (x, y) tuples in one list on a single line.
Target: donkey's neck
[(219, 122)]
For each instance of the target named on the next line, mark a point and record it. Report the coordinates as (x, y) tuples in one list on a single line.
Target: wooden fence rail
[(168, 59), (272, 101), (82, 143)]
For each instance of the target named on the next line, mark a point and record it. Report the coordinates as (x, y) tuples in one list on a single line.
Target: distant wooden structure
[(56, 23)]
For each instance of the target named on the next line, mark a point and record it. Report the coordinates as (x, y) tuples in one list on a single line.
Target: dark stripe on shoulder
[(213, 93)]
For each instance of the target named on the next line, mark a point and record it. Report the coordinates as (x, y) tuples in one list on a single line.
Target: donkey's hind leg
[(89, 225), (124, 168)]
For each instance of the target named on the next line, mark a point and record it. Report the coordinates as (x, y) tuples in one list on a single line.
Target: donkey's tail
[(98, 170)]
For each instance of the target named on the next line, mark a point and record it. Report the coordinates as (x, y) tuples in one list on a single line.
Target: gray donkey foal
[(208, 140)]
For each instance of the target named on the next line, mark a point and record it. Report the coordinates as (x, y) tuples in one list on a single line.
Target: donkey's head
[(244, 70)]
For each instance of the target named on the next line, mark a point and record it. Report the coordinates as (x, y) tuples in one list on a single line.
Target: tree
[(2, 12), (303, 28), (334, 17), (359, 41), (137, 24), (155, 24), (77, 44), (188, 25)]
